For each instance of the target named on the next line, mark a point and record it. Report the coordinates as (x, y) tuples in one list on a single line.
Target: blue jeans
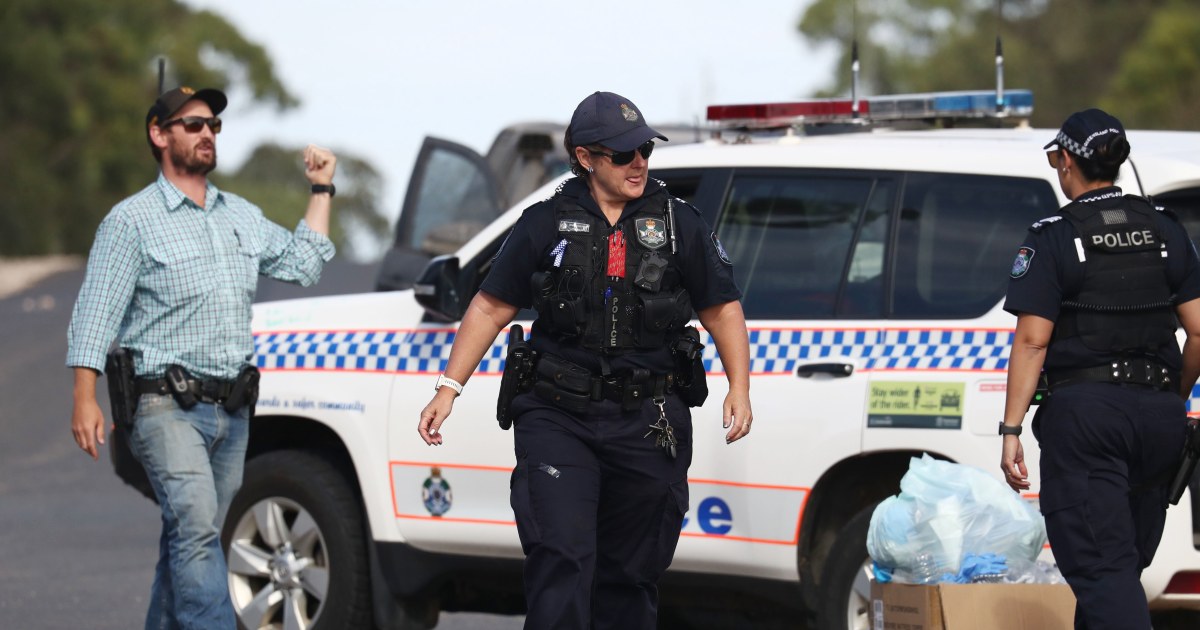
[(194, 460)]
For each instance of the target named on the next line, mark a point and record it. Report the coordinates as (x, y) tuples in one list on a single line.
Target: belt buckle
[(211, 390)]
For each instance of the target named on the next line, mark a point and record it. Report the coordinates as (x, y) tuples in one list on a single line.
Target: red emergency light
[(771, 113)]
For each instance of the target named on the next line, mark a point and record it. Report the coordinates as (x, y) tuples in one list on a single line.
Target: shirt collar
[(577, 187), (1107, 192), (176, 199)]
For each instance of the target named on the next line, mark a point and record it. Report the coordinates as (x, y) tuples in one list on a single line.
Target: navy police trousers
[(1101, 444), (599, 509)]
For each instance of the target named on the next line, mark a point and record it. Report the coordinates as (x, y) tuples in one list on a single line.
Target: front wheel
[(294, 543), (846, 579)]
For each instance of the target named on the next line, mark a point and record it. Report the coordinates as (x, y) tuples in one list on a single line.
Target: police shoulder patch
[(720, 249), (1041, 223), (1022, 262)]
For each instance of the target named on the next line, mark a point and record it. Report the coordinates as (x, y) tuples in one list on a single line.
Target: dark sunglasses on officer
[(625, 157), (193, 124), (1053, 157)]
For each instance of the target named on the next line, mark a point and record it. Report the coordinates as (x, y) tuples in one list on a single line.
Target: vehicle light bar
[(932, 105)]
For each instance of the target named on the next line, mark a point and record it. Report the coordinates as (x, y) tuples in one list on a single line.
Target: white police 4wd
[(873, 265)]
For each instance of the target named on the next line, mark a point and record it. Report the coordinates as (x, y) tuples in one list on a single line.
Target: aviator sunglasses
[(193, 124), (625, 157)]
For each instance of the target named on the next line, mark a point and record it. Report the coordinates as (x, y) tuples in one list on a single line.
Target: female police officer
[(614, 266), (1096, 290)]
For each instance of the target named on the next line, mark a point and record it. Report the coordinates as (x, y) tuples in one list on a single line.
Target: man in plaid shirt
[(171, 276)]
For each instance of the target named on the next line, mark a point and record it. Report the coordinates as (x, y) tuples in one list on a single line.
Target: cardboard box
[(972, 607)]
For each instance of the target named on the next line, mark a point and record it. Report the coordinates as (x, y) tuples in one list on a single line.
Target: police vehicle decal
[(772, 350), (720, 510)]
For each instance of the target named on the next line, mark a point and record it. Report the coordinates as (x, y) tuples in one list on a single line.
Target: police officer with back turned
[(171, 277), (1099, 290), (614, 266)]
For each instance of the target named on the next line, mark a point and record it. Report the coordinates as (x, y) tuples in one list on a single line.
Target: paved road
[(77, 548)]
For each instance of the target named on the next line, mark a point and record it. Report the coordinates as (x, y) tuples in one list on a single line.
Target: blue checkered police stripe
[(772, 351)]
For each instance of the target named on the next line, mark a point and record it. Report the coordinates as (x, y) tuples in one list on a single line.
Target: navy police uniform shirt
[(1047, 270), (705, 267)]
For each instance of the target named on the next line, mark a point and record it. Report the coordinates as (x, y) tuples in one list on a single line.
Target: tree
[(1126, 55), (273, 179), (76, 77)]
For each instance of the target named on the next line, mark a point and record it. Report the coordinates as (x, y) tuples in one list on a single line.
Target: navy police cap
[(610, 120), (1083, 131)]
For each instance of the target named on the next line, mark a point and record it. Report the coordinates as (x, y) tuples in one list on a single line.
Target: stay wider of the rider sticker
[(1022, 261)]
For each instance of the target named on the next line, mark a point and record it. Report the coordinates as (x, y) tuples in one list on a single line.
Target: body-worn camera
[(650, 272)]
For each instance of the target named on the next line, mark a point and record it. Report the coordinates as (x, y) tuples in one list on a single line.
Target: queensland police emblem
[(650, 233), (436, 494), (1021, 263), (628, 113), (720, 249)]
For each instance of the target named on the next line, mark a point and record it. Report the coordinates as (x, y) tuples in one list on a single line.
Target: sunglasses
[(193, 124), (625, 157), (1052, 158)]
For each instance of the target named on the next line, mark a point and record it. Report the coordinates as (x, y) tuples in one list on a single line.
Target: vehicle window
[(454, 205), (790, 238), (862, 295), (1186, 205), (956, 239)]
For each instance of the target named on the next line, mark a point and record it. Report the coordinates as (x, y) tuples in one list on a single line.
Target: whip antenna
[(999, 60), (162, 65), (854, 64)]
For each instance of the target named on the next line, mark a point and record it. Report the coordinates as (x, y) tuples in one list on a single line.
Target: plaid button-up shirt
[(174, 282)]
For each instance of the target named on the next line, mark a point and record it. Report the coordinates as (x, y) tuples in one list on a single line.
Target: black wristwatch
[(324, 188), (1007, 430)]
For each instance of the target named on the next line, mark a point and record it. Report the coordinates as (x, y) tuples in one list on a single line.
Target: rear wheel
[(294, 543), (846, 579)]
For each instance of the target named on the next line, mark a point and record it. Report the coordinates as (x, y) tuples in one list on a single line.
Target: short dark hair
[(573, 161)]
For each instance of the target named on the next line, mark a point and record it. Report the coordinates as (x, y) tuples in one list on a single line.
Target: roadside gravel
[(18, 274)]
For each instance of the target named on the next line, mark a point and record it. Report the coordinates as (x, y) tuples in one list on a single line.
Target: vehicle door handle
[(839, 370)]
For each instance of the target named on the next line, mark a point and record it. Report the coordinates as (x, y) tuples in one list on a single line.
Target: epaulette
[(1042, 223), (688, 205)]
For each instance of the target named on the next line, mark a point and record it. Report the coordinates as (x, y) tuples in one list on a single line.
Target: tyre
[(845, 581), (294, 543)]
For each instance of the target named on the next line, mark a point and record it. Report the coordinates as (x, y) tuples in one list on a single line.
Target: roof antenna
[(162, 65), (999, 61), (854, 66)]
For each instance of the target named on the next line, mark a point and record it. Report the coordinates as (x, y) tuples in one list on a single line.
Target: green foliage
[(273, 179), (76, 78), (1140, 59)]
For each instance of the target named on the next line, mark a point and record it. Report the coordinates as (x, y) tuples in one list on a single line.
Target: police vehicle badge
[(436, 494), (628, 114), (1021, 263), (720, 249), (650, 233)]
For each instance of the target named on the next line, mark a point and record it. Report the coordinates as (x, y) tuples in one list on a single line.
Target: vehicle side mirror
[(399, 269), (437, 290)]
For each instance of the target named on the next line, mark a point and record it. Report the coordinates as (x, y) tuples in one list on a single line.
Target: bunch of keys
[(666, 434)]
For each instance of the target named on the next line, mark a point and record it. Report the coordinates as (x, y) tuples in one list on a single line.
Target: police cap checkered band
[(1082, 132)]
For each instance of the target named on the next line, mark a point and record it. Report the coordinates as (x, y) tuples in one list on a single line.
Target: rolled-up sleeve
[(297, 256), (107, 290)]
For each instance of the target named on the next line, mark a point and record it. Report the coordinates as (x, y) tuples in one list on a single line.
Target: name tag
[(574, 226)]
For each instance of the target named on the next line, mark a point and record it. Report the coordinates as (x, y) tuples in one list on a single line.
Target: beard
[(187, 160)]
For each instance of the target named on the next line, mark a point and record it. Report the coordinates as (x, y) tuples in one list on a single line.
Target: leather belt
[(209, 391), (1144, 372)]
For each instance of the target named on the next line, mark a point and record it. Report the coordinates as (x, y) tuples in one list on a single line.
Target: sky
[(375, 77)]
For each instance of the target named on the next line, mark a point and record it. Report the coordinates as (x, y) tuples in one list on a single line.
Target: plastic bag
[(946, 511)]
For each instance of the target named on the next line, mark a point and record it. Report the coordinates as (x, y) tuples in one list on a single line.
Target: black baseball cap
[(610, 120), (1081, 132), (172, 101)]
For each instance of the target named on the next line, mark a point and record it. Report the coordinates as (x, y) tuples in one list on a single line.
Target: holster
[(245, 390), (118, 367), (517, 377), (688, 352), (1187, 467)]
